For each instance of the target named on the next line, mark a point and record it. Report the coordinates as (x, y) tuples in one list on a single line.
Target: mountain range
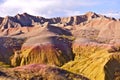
[(82, 47)]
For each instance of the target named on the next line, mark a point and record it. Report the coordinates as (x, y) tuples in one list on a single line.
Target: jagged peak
[(23, 14), (8, 18), (92, 14), (26, 15)]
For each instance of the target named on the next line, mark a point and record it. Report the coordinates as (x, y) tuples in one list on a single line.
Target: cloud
[(46, 8), (72, 13), (11, 7), (113, 14)]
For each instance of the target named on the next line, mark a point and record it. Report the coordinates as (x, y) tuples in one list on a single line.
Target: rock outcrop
[(21, 20), (52, 48)]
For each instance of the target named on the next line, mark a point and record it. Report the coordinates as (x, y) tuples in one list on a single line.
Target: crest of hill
[(21, 20)]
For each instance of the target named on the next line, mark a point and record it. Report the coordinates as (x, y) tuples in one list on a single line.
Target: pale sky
[(56, 8)]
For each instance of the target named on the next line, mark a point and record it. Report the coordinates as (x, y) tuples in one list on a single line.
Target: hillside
[(82, 47)]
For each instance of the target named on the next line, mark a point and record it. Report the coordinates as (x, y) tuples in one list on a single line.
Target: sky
[(59, 8)]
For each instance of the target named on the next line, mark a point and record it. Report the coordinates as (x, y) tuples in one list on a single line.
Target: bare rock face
[(25, 19), (21, 20), (29, 20), (74, 20), (9, 22), (91, 15)]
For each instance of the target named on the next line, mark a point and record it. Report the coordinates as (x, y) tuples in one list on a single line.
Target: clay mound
[(95, 61), (101, 29), (38, 72), (42, 47)]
